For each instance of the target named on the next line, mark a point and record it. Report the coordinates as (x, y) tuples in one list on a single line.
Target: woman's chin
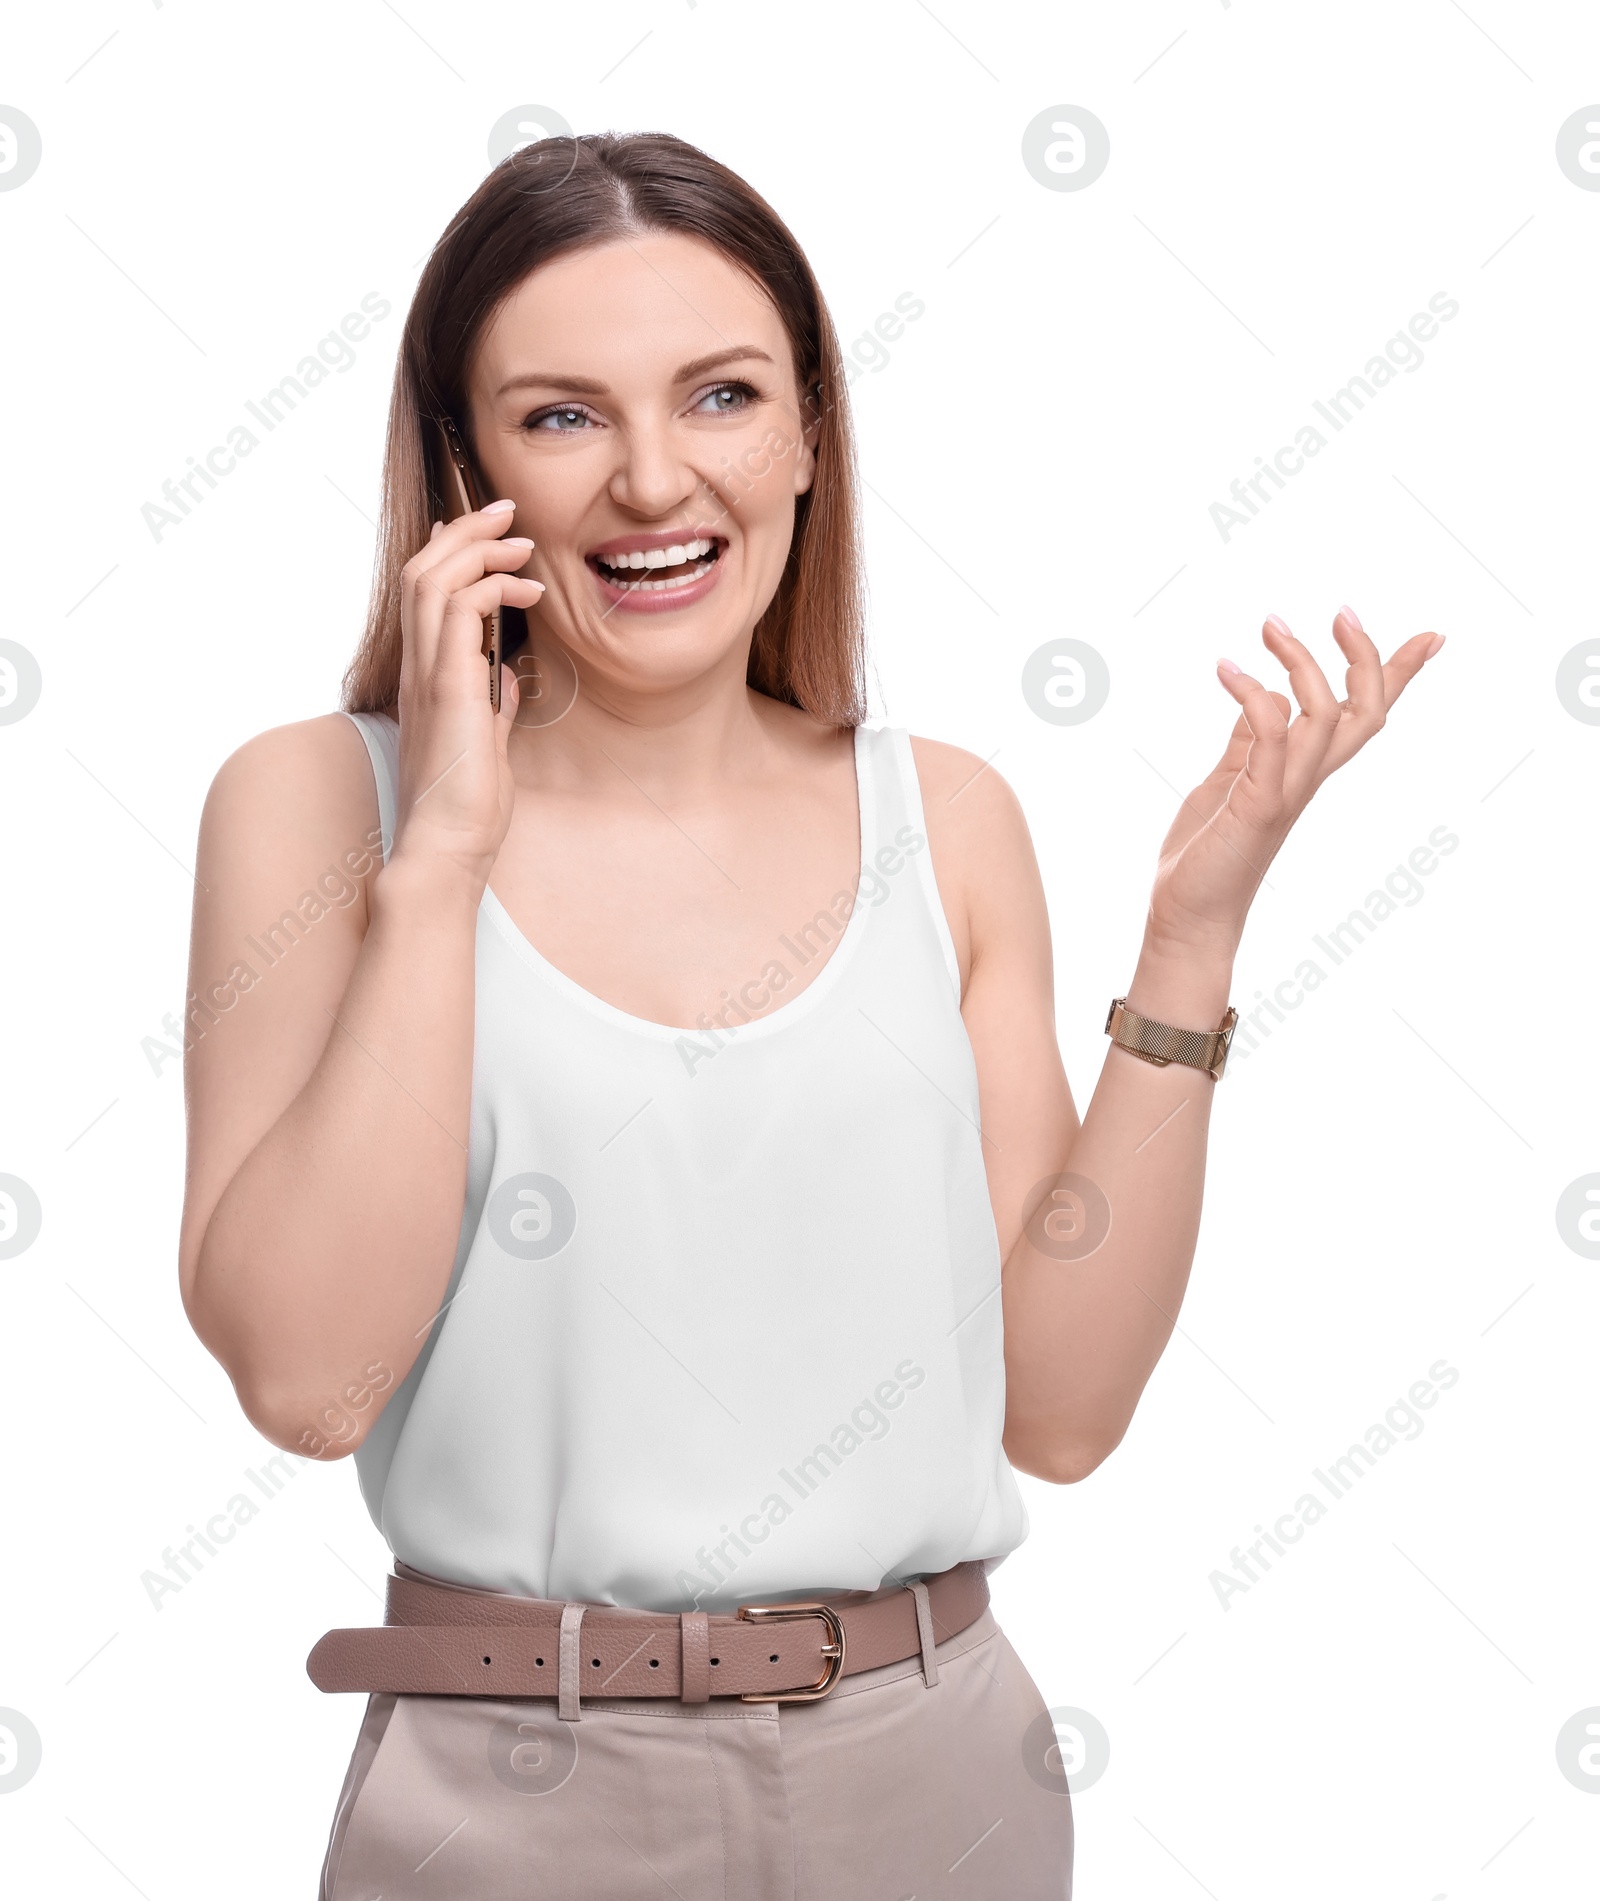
[(666, 655)]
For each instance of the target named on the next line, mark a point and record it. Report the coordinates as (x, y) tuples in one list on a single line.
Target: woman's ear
[(805, 462)]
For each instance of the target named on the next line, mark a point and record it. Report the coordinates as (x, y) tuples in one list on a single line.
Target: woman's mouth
[(653, 579)]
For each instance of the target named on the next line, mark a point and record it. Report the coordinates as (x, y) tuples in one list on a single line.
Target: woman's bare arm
[(1083, 1331), (329, 1101), (1066, 1389), (1088, 1315), (328, 1106)]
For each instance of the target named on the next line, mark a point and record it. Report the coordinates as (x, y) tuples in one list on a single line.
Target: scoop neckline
[(786, 1013)]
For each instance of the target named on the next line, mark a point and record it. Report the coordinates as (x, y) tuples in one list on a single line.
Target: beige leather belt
[(448, 1640)]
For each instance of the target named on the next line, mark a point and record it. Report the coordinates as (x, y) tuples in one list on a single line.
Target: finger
[(1407, 662), (430, 579), (492, 519), (1364, 691), (449, 538), (453, 570), (1378, 685), (492, 591), (1267, 718), (510, 700), (1231, 764), (469, 607), (457, 675), (1208, 798), (1234, 754), (1312, 731)]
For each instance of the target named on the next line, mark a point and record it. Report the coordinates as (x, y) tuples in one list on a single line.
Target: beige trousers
[(888, 1788)]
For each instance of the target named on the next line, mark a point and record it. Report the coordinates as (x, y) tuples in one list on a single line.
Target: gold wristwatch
[(1160, 1043)]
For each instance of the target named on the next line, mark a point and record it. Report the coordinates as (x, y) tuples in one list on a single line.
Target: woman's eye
[(570, 419), (727, 399), (565, 420)]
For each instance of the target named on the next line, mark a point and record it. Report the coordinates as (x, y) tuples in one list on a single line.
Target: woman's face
[(638, 399)]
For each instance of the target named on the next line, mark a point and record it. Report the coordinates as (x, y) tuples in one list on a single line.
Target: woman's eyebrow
[(587, 386)]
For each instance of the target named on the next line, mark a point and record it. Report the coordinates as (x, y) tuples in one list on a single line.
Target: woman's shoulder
[(291, 795), (979, 842), (295, 767), (964, 795)]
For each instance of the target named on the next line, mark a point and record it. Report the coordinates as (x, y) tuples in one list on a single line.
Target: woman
[(622, 1156)]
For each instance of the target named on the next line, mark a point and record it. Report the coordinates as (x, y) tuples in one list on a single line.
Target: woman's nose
[(653, 475)]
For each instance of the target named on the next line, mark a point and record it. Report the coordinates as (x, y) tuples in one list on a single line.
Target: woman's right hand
[(456, 788)]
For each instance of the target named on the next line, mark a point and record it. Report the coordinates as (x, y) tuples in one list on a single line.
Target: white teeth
[(657, 587), (671, 557)]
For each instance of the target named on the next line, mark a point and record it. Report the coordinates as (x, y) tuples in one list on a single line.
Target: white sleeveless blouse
[(724, 1320)]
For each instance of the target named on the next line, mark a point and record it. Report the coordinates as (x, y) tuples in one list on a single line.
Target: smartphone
[(459, 496)]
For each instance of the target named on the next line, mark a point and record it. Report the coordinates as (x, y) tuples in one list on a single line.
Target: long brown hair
[(557, 195)]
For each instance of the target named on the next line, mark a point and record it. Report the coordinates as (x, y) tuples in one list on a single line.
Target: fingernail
[(1354, 620), (494, 508), (516, 541), (435, 529), (1438, 642), (1278, 625), (1229, 666)]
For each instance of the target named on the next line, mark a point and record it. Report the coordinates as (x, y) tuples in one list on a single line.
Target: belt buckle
[(833, 1650)]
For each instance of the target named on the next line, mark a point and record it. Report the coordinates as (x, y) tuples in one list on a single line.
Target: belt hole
[(773, 1658), (539, 1661), (716, 1660), (655, 1663), (595, 1661), (486, 1659)]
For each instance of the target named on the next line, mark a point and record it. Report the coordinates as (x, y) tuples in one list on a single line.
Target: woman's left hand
[(1230, 827)]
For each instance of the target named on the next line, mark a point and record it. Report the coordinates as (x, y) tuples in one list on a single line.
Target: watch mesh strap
[(1162, 1043)]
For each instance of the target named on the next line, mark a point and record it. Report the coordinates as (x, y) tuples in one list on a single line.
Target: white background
[(1287, 186)]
